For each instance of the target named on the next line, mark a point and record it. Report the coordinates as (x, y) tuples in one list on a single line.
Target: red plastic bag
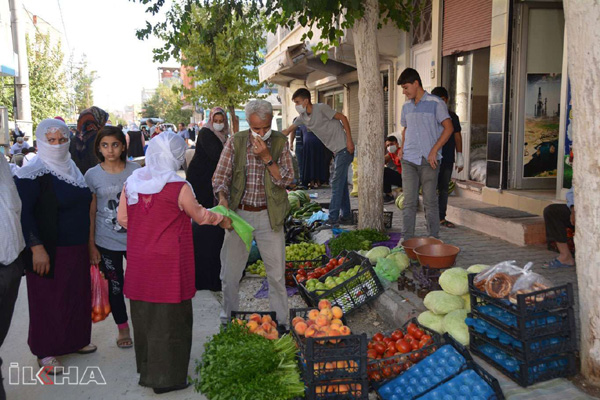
[(100, 303)]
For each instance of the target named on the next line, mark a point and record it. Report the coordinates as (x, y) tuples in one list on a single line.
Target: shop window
[(421, 32)]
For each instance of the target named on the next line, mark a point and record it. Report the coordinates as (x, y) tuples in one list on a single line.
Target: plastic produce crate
[(334, 357), (387, 218), (526, 350), (447, 361), (525, 373), (356, 291), (555, 298), (345, 389), (389, 368), (528, 327), (291, 271), (473, 382)]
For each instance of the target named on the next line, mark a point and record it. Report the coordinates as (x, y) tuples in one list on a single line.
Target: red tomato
[(412, 326), (370, 345), (415, 357), (397, 335), (414, 345), (309, 264), (417, 333), (376, 376), (392, 347), (396, 369), (312, 275), (301, 278), (341, 260), (372, 353), (388, 353), (403, 346), (386, 372), (423, 343), (387, 340), (380, 347), (426, 338), (409, 337), (378, 337)]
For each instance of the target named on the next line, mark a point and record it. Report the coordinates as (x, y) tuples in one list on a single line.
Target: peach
[(313, 314), (239, 321), (341, 364), (334, 332), (324, 303), (296, 320), (352, 366), (310, 331), (260, 331), (273, 324), (330, 366), (252, 326), (337, 312), (326, 312), (266, 318), (337, 321), (322, 320), (267, 327), (345, 331), (310, 322), (336, 325), (272, 335), (343, 389), (320, 334), (255, 317), (300, 328)]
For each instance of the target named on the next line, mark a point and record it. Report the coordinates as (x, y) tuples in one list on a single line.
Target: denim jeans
[(443, 183), (413, 177), (340, 195)]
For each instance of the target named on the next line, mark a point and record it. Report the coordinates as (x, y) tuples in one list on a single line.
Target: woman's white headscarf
[(53, 159), (164, 157)]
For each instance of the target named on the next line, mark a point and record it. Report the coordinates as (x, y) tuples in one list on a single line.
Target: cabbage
[(441, 302), (402, 261), (400, 201), (455, 281), (467, 299), (377, 252), (454, 324), (477, 268), (432, 321), (398, 249)]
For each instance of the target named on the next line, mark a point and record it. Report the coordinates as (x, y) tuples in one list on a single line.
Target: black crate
[(388, 216), (531, 326), (400, 362), (346, 389), (486, 376), (291, 271), (333, 357), (533, 348), (361, 289), (526, 373), (555, 298)]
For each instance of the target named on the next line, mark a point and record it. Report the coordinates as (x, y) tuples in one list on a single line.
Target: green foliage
[(47, 78), (82, 80), (166, 103), (7, 94)]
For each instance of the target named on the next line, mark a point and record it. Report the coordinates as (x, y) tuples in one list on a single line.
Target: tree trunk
[(582, 19), (370, 147), (235, 121)]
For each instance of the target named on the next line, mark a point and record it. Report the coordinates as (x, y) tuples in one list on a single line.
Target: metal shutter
[(467, 25), (353, 110)]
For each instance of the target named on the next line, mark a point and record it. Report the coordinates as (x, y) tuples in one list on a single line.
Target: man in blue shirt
[(427, 127)]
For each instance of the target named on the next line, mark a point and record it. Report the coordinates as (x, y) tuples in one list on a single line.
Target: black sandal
[(447, 224)]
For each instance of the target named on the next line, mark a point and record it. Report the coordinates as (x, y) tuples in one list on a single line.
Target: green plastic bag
[(240, 226), (387, 269)]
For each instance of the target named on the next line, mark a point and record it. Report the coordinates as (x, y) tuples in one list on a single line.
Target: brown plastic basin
[(437, 255), (411, 244)]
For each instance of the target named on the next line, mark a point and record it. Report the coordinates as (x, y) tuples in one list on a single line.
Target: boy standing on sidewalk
[(427, 127), (333, 129), (448, 159)]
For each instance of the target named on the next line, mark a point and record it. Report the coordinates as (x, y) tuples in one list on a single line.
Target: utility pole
[(23, 110)]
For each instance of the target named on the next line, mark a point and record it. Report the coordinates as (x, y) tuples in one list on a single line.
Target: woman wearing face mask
[(391, 175), (208, 239), (55, 219)]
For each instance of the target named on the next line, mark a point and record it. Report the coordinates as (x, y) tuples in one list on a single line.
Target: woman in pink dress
[(159, 280)]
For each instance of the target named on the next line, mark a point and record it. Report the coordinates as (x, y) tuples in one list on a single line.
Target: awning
[(297, 62)]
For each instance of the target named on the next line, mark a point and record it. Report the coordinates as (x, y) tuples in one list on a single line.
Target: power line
[(63, 24)]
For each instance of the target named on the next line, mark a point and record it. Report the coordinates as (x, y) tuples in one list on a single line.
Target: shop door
[(421, 61), (538, 68)]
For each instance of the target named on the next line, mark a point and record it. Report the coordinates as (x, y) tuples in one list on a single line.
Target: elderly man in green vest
[(254, 169)]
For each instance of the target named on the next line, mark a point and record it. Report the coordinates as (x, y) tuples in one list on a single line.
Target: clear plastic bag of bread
[(498, 281), (529, 282)]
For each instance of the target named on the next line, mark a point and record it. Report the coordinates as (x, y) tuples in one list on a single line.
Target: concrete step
[(514, 226)]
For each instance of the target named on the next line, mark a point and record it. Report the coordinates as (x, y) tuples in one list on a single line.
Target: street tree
[(362, 19), (221, 50), (167, 103), (583, 54), (47, 78), (82, 84)]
